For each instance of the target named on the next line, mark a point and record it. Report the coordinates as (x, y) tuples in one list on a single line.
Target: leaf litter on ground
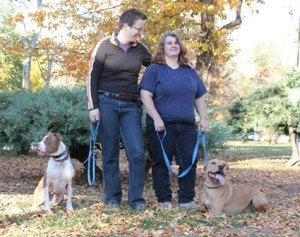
[(20, 175)]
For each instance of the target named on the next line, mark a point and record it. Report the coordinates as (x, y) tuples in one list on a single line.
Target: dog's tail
[(259, 202), (38, 196)]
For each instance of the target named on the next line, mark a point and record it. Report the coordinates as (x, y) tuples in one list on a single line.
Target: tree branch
[(103, 9), (237, 21)]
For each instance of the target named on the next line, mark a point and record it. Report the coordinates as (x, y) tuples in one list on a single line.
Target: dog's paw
[(203, 208), (70, 208)]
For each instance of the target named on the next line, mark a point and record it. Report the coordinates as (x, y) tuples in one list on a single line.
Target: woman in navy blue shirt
[(170, 90)]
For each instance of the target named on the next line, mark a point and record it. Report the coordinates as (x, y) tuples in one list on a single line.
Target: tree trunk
[(48, 73), (26, 70), (208, 77), (295, 147), (29, 44)]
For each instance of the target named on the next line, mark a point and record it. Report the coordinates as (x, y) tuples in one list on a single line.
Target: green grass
[(257, 149), (238, 220), (57, 221), (195, 221), (150, 223)]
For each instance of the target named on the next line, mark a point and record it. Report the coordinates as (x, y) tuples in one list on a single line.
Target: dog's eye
[(213, 163)]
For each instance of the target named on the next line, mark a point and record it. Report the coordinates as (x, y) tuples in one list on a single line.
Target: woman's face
[(134, 31), (171, 46)]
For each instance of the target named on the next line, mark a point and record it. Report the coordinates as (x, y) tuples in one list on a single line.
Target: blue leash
[(91, 160), (201, 137)]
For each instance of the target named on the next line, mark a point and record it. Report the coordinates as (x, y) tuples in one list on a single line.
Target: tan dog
[(221, 196), (59, 173)]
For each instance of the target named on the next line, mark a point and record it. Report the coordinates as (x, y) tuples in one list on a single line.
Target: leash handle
[(91, 160), (201, 136)]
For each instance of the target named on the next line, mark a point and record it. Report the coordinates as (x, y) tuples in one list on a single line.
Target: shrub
[(26, 117), (219, 134)]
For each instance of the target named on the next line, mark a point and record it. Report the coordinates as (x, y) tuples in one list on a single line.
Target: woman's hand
[(94, 115), (203, 127), (146, 97), (159, 124)]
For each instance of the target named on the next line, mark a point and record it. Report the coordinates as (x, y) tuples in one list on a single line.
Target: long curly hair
[(158, 56)]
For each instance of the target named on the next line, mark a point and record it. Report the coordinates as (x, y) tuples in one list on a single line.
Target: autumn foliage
[(67, 31)]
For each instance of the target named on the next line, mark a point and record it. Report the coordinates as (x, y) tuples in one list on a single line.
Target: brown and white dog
[(221, 196), (59, 172)]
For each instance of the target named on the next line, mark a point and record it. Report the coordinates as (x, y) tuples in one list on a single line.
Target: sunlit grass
[(258, 149)]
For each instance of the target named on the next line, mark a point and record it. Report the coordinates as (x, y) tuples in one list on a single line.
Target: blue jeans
[(179, 142), (120, 118)]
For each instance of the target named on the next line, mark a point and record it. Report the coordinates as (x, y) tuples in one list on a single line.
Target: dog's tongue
[(220, 178)]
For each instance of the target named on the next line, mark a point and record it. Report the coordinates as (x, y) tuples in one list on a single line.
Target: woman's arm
[(95, 68), (200, 105), (146, 97)]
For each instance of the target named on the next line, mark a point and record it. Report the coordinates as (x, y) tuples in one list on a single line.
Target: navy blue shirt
[(174, 91)]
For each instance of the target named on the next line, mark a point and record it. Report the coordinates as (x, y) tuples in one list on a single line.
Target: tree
[(64, 31), (10, 72), (71, 28), (10, 61), (205, 26), (267, 63), (271, 108)]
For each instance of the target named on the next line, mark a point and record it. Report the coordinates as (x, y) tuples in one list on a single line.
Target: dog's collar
[(60, 155), (56, 158), (212, 187), (62, 160)]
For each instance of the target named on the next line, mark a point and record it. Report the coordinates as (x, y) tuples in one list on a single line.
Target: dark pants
[(179, 142), (121, 118)]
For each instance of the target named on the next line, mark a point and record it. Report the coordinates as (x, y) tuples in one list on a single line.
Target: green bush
[(270, 108), (26, 117), (219, 134)]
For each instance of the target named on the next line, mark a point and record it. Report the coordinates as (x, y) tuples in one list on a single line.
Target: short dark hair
[(130, 16)]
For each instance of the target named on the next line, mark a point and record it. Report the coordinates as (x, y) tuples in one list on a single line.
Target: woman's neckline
[(173, 67)]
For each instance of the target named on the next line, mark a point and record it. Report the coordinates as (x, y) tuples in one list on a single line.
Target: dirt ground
[(281, 184)]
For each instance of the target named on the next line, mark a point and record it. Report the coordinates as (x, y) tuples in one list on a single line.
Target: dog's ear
[(226, 165), (58, 136)]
